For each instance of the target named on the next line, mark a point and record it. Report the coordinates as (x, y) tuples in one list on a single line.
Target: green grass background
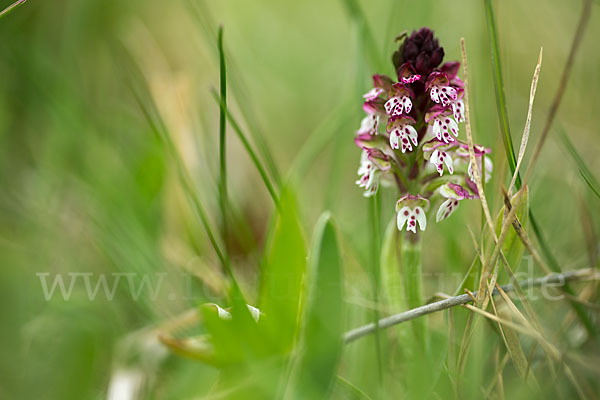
[(87, 187)]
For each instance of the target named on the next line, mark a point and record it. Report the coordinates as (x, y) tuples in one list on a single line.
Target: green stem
[(375, 216), (410, 258)]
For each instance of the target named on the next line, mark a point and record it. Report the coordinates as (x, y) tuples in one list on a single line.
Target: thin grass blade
[(222, 138)]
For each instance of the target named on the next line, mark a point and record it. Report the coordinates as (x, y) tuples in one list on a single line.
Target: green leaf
[(323, 330), (282, 274), (513, 246)]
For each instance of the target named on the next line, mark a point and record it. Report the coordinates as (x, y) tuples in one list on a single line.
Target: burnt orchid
[(410, 136)]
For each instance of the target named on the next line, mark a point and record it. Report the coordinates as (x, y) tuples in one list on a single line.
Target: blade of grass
[(222, 138), (138, 88), (501, 104), (584, 171), (247, 146), (366, 33), (10, 8), (577, 39), (553, 266), (526, 130), (511, 341), (351, 391), (160, 131), (203, 16), (499, 90)]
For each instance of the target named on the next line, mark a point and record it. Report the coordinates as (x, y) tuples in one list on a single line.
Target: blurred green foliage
[(88, 188)]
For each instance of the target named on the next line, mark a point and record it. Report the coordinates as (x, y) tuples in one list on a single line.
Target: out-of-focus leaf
[(227, 346), (345, 389), (198, 348), (281, 277), (323, 329)]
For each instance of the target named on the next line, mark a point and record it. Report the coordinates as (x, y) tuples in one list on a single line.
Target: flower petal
[(421, 219), (402, 217), (446, 209)]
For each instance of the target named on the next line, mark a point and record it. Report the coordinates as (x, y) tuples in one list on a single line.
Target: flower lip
[(402, 134), (410, 217)]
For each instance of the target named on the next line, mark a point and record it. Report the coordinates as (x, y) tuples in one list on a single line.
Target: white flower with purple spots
[(399, 102), (373, 94), (410, 212), (412, 78), (372, 163), (407, 74), (439, 158), (398, 105), (402, 134), (443, 127), (443, 94), (369, 179), (440, 90), (458, 110), (453, 194), (410, 217), (429, 97), (489, 168), (369, 125)]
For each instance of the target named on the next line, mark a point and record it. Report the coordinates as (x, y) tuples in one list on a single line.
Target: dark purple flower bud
[(422, 50)]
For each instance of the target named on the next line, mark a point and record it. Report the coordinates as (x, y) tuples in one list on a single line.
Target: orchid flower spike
[(410, 135)]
